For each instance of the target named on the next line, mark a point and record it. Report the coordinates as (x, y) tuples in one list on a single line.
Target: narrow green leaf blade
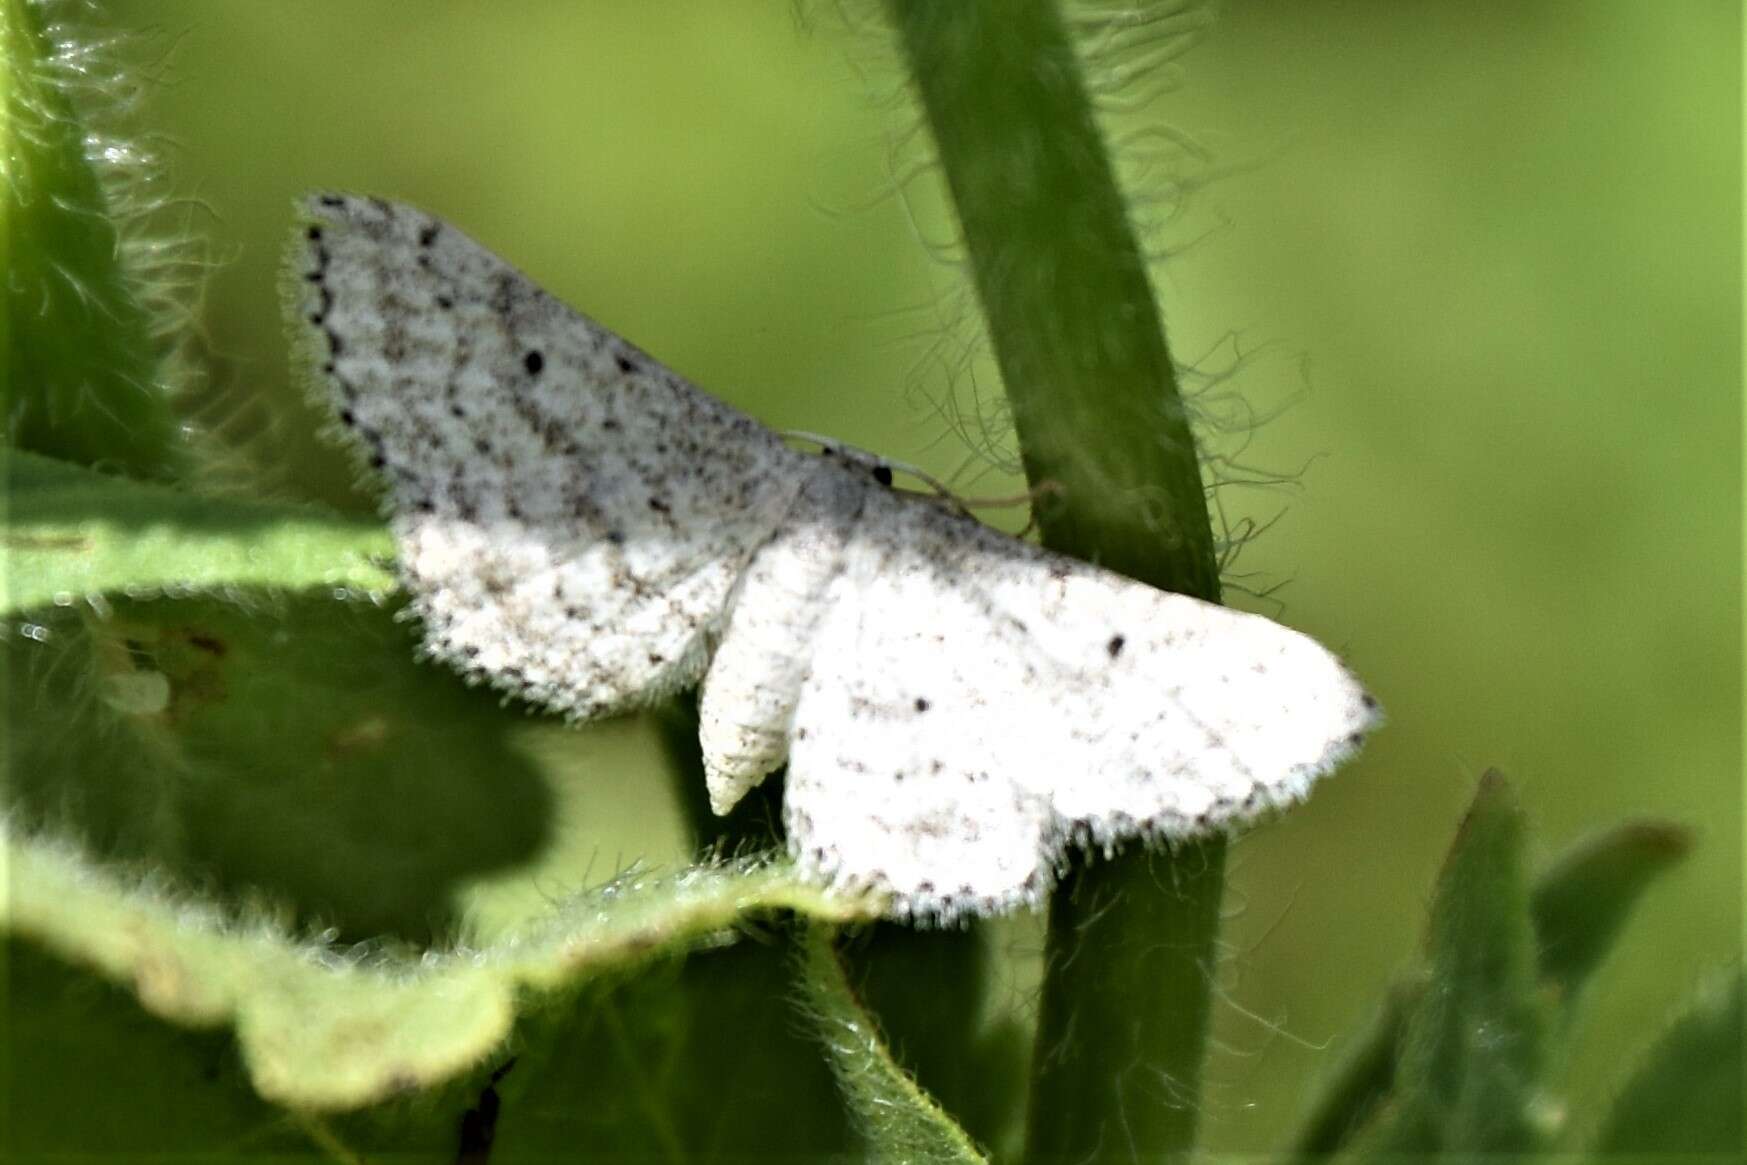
[(1472, 1053), (1584, 898), (1688, 1094), (1578, 907), (71, 532), (898, 1121)]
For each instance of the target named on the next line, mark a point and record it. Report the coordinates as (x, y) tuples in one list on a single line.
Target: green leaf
[(696, 1058), (1075, 330), (1686, 1095), (1472, 1053), (897, 1120), (1578, 907), (291, 747), (90, 1075), (1583, 899), (83, 360), (693, 1059), (701, 1060), (71, 532), (323, 1029), (290, 742)]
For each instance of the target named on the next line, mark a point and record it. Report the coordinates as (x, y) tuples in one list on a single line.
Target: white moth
[(585, 529)]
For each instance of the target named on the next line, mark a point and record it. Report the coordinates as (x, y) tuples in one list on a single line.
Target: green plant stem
[(899, 1121), (1076, 333)]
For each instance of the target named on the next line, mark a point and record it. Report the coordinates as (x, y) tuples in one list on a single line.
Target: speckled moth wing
[(974, 704), (572, 516)]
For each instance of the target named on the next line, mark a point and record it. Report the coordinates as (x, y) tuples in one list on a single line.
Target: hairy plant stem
[(1077, 335)]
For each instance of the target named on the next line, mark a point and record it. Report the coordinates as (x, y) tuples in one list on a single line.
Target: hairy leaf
[(82, 360), (326, 1028), (71, 532)]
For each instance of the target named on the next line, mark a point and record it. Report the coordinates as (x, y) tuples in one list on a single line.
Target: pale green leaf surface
[(321, 1029), (71, 532)]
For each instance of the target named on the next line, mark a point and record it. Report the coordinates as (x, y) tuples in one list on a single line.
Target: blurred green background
[(1489, 254)]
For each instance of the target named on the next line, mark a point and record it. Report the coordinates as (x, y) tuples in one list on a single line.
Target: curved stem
[(1077, 335)]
